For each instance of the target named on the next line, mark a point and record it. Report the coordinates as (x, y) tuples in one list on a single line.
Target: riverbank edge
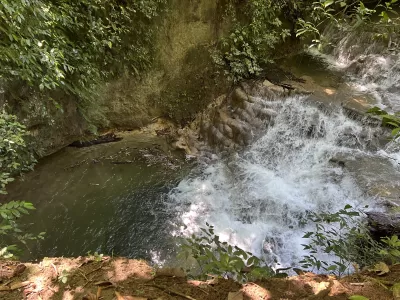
[(123, 278)]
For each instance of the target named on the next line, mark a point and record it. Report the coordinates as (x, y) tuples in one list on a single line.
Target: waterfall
[(257, 197), (371, 66)]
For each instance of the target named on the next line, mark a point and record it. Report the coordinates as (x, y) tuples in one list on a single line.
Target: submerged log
[(102, 139), (383, 224)]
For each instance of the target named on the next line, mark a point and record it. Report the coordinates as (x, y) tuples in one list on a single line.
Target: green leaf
[(307, 235), (395, 252), (353, 213), (383, 252), (332, 268), (327, 3), (377, 111), (29, 205), (395, 132), (16, 213)]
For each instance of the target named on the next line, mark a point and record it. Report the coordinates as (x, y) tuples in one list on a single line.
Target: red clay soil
[(121, 278)]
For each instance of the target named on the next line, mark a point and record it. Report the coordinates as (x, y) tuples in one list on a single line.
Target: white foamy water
[(256, 198), (372, 68)]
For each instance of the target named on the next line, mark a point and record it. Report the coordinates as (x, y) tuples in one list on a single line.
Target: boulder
[(383, 224)]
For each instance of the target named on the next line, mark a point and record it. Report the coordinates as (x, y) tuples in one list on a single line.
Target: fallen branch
[(19, 285), (169, 291), (7, 283), (83, 275), (87, 282)]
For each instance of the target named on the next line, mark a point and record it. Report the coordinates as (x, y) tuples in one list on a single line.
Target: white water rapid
[(371, 66), (256, 198)]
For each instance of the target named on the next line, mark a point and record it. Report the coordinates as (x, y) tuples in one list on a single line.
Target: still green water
[(110, 198)]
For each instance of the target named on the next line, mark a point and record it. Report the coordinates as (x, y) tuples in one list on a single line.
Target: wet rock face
[(232, 121), (376, 175), (181, 82), (236, 121), (52, 125)]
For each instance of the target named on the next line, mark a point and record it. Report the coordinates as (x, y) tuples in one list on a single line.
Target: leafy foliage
[(96, 256), (72, 45), (14, 155), (381, 19), (391, 250), (344, 236), (259, 26), (252, 38), (14, 159), (389, 120), (338, 234), (221, 259), (63, 277)]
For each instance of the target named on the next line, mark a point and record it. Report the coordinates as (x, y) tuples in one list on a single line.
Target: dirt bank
[(113, 278)]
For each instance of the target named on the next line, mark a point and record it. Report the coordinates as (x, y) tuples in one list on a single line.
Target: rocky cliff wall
[(182, 81)]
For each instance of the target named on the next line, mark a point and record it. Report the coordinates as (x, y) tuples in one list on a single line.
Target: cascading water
[(372, 66), (256, 198)]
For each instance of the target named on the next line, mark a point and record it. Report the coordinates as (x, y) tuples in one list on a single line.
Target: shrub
[(221, 259), (72, 45), (378, 18), (254, 35)]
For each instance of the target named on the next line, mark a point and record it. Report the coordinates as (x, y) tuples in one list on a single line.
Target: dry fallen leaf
[(19, 285), (213, 281), (119, 297), (382, 268), (103, 283)]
